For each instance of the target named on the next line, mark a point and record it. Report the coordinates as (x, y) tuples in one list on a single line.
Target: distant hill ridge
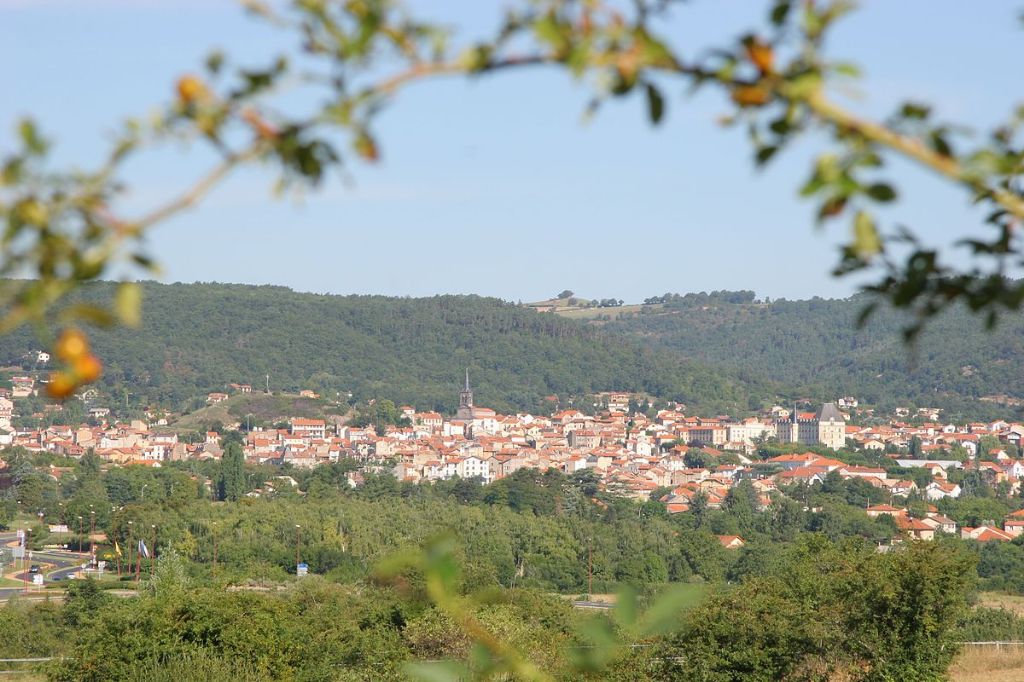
[(813, 348), (718, 352), (197, 338)]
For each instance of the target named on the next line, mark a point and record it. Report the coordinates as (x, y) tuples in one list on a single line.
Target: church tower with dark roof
[(465, 410)]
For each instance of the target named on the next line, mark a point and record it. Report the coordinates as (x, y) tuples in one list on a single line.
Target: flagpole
[(128, 564)]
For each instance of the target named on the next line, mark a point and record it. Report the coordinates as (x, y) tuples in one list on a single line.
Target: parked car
[(34, 568)]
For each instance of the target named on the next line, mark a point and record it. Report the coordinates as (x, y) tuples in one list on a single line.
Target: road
[(593, 605), (57, 565)]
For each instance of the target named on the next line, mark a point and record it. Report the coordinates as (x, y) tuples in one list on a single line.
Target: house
[(940, 523), (1013, 527), (22, 387), (876, 510), (731, 541), (985, 534), (939, 490), (915, 528), (584, 439), (862, 472), (309, 428), (214, 398)]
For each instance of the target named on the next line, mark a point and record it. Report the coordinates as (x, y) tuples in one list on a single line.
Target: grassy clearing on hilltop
[(262, 407), (613, 313)]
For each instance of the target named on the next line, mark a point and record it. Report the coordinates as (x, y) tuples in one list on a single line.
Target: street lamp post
[(80, 534), (24, 558), (298, 544)]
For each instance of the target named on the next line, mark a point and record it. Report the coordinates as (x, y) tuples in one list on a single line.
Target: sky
[(496, 186)]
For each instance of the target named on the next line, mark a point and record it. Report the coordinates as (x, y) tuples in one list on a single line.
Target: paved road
[(57, 565)]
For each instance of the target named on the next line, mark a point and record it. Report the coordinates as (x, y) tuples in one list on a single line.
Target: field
[(989, 664), (1010, 602)]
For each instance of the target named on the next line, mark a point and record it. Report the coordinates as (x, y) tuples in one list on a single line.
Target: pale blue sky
[(494, 186)]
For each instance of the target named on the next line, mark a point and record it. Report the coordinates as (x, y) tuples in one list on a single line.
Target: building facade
[(825, 427)]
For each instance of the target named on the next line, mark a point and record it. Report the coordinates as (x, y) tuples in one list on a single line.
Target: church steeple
[(465, 400)]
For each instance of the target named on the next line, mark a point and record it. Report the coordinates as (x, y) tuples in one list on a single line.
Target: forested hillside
[(718, 352), (812, 349), (199, 337)]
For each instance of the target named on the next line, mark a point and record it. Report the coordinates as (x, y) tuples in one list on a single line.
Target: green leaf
[(665, 613), (803, 85), (918, 112), (881, 191), (765, 154), (549, 31), (847, 69), (780, 11), (144, 261), (476, 58), (128, 303), (625, 607), (655, 104), (866, 242), (214, 61), (31, 138), (439, 671), (88, 313), (939, 143)]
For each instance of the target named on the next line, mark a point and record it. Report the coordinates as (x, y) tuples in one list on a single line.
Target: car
[(34, 568)]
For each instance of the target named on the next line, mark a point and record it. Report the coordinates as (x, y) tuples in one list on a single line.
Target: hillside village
[(671, 457)]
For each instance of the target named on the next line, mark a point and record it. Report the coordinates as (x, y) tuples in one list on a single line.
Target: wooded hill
[(719, 352), (197, 338), (813, 349)]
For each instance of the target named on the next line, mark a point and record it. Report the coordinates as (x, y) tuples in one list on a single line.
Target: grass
[(262, 407), (590, 313), (988, 664), (997, 600)]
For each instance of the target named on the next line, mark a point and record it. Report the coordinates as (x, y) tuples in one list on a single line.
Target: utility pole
[(298, 545), (152, 554), (92, 533), (214, 549), (80, 534)]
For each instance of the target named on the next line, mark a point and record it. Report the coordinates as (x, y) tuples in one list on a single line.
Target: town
[(667, 457)]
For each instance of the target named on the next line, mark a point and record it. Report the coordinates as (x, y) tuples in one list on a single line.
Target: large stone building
[(826, 427)]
